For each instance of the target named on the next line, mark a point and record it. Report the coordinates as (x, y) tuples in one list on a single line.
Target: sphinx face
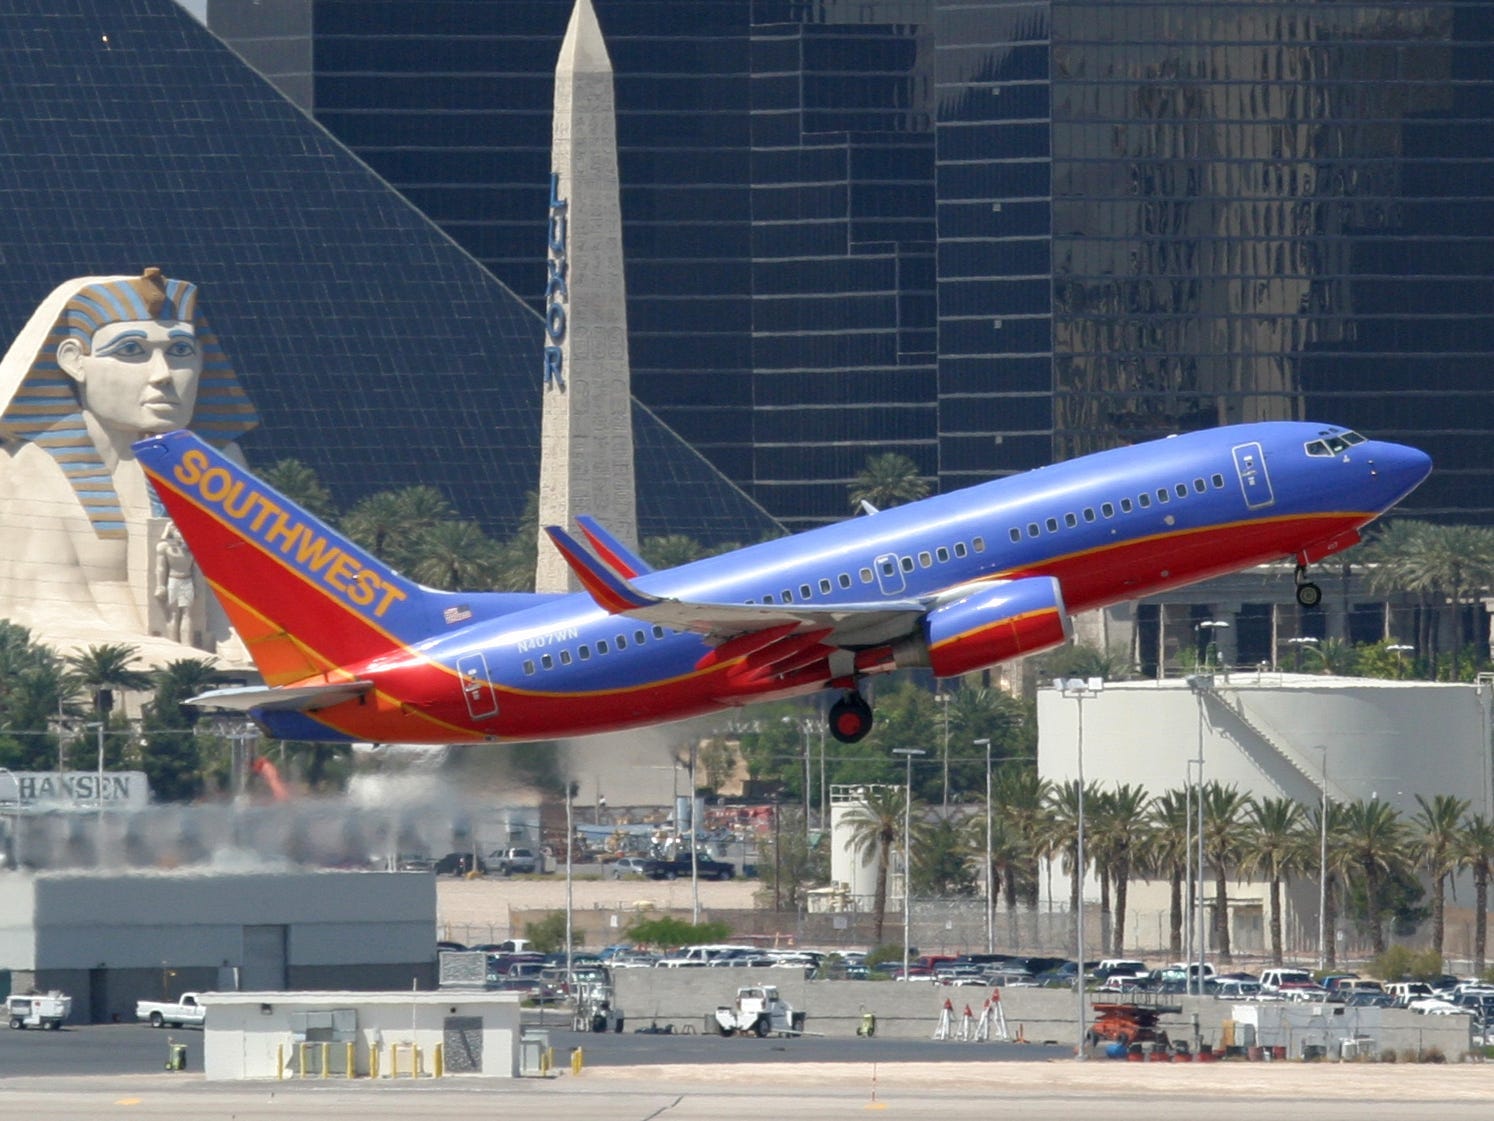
[(140, 376)]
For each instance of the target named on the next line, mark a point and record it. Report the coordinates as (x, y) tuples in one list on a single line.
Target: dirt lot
[(484, 905)]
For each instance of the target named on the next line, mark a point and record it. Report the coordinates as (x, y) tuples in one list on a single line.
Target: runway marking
[(128, 1101)]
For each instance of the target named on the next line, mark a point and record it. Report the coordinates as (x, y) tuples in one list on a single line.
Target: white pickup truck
[(181, 1013)]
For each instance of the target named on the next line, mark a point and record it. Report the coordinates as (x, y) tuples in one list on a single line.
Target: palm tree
[(375, 521), (1476, 853), (1333, 872), (1375, 848), (671, 550), (171, 756), (455, 556), (101, 669), (941, 857), (300, 484), (1435, 848), (1223, 808), (1121, 834), (1063, 833), (34, 688), (1273, 849), (1167, 852), (1021, 795), (889, 479), (876, 824)]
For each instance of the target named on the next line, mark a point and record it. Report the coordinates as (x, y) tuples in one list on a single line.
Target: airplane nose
[(1402, 468)]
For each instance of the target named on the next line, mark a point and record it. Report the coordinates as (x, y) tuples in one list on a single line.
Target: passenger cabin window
[(585, 651), (845, 580), (925, 560), (959, 548), (1052, 524), (1032, 529), (907, 564), (1217, 480), (804, 591), (825, 587), (638, 637), (889, 568), (1107, 510), (622, 642), (1144, 500), (658, 631), (547, 661), (1070, 520), (866, 574), (1181, 490), (786, 596), (1162, 495), (942, 553), (980, 544), (1200, 486), (528, 668), (565, 657), (1016, 535), (1125, 505), (601, 646), (1089, 514)]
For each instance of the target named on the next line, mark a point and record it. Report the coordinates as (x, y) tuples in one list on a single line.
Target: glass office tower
[(375, 349), (986, 233)]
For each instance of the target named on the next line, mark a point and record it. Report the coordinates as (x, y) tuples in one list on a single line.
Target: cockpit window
[(1333, 443)]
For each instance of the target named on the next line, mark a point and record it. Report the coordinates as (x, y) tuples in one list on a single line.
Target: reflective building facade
[(980, 232), (375, 349)]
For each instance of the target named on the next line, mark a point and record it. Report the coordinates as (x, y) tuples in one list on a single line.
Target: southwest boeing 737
[(351, 650)]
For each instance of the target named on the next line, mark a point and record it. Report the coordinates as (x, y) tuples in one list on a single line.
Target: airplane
[(350, 650)]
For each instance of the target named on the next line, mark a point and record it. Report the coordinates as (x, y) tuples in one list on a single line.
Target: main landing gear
[(1308, 593), (850, 718)]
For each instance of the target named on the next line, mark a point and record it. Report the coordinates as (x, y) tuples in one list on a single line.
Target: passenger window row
[(1108, 510), (889, 565), (565, 656)]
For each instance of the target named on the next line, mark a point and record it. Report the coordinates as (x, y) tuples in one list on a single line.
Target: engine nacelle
[(992, 625)]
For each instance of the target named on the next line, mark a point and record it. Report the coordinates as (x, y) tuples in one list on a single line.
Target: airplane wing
[(844, 625), (291, 698)]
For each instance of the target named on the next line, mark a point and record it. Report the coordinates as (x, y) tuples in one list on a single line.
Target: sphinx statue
[(102, 362)]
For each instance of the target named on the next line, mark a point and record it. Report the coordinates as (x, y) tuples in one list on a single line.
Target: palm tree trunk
[(1221, 917), (1439, 913), (1480, 917), (1106, 925), (1275, 920), (879, 905), (1175, 913), (1330, 922), (1122, 887), (1009, 875), (1372, 905)]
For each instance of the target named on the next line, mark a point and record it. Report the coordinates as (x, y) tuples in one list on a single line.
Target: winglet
[(613, 552), (611, 591)]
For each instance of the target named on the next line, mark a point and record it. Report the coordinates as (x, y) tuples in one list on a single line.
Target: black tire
[(54, 1025), (618, 1029), (16, 1025), (157, 1020), (1309, 594), (760, 1028), (671, 875)]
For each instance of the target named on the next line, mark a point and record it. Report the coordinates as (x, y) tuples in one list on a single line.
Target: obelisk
[(586, 437)]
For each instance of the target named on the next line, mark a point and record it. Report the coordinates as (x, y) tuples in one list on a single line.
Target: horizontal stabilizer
[(287, 698)]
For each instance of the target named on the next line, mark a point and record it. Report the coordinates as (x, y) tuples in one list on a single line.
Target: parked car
[(1272, 980), (628, 868), (507, 862), (458, 864), (680, 868)]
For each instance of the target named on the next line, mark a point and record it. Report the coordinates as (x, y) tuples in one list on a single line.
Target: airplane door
[(889, 575), (1250, 466), (481, 701)]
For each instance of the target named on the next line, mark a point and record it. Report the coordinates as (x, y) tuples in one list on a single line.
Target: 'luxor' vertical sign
[(556, 294)]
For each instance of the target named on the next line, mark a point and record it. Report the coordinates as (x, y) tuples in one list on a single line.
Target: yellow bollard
[(438, 1063), (352, 1059), (373, 1060), (547, 1060), (301, 1058), (415, 1060), (577, 1059), (280, 1061), (326, 1054)]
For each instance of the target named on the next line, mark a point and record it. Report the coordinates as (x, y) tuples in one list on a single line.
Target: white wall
[(248, 1035)]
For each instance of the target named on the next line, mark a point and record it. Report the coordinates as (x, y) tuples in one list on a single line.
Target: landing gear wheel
[(850, 718), (1308, 593)]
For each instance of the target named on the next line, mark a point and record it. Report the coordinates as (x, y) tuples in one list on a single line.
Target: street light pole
[(1323, 868), (1200, 683), (1078, 689), (943, 699), (907, 753), (990, 873)]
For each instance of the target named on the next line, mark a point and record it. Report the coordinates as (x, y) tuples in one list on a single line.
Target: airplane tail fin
[(304, 599)]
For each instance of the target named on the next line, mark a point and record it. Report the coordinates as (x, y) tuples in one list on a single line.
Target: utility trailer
[(39, 1010)]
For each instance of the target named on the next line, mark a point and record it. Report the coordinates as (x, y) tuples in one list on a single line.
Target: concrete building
[(1276, 735), (112, 939)]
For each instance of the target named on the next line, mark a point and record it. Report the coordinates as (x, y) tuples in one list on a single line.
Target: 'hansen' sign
[(121, 789)]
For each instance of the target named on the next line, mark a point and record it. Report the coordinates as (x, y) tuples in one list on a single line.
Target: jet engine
[(991, 625)]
